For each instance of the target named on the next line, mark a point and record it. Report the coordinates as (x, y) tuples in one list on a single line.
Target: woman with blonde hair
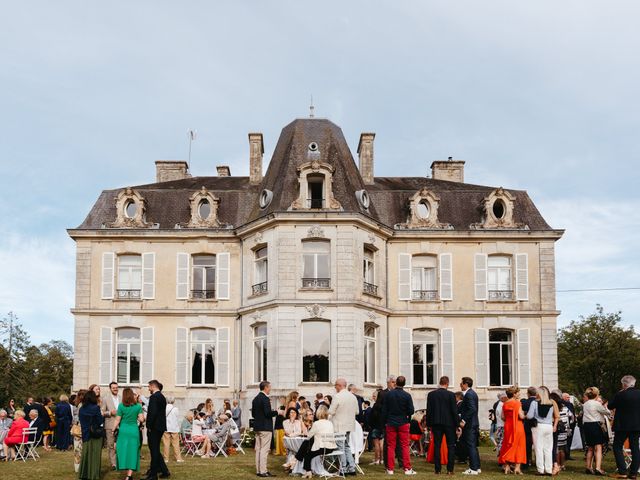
[(64, 418), (546, 413), (14, 436), (292, 400), (594, 415), (321, 428)]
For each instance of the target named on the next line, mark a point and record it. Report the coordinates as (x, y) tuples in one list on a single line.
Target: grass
[(59, 465)]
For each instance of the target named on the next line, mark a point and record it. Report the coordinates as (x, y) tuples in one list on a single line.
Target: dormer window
[(423, 210), (204, 210), (315, 181), (130, 210), (315, 198), (498, 209)]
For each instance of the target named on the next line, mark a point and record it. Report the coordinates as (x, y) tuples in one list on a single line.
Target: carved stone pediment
[(497, 210), (204, 210), (423, 210), (315, 310), (130, 210), (315, 231)]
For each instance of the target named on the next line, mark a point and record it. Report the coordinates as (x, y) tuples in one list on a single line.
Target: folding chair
[(220, 446), (236, 437), (332, 461), (356, 455), (190, 447), (27, 449)]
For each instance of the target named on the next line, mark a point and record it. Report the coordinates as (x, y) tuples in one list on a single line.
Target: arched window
[(128, 355), (203, 355), (370, 350), (316, 349), (500, 358), (259, 352), (425, 356)]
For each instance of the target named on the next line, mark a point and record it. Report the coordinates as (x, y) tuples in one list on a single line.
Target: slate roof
[(168, 202)]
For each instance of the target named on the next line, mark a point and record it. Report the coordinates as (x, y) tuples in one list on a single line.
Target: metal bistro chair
[(27, 449), (190, 447), (332, 461)]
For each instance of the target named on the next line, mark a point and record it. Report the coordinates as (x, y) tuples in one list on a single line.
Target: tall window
[(423, 278), (129, 276), (315, 198), (259, 353), (316, 346), (260, 271), (316, 264), (370, 354), (425, 357), (204, 276), (203, 354), (368, 272), (128, 355), (500, 357), (499, 277)]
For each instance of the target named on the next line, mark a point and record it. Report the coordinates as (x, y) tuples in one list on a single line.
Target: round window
[(313, 146), (130, 209), (204, 209), (498, 209), (363, 198), (423, 209), (265, 198)]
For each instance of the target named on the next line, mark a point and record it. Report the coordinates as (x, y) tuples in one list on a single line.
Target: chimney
[(223, 171), (167, 170), (365, 157), (450, 170), (256, 150)]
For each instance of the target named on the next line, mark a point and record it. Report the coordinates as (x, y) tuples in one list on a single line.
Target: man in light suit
[(470, 425), (342, 413), (109, 407)]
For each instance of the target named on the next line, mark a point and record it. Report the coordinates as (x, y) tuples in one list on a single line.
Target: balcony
[(203, 294), (425, 295), (316, 203), (316, 283), (259, 288), (370, 289), (500, 295), (128, 294)]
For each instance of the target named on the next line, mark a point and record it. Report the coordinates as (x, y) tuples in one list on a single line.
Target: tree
[(50, 368), (15, 342), (597, 351)]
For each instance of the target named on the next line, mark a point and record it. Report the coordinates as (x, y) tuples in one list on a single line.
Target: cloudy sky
[(541, 96)]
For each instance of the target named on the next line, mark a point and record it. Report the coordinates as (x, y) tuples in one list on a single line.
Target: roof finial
[(311, 107)]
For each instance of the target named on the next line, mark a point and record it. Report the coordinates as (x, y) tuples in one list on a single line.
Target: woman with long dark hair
[(128, 417), (92, 424), (377, 428)]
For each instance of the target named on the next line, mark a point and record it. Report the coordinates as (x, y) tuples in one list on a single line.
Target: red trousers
[(401, 435)]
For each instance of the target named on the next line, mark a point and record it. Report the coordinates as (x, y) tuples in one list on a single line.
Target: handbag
[(76, 431), (96, 431)]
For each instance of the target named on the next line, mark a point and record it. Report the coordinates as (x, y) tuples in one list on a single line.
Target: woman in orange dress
[(514, 443)]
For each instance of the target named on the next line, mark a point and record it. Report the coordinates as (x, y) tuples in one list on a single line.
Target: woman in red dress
[(14, 435), (514, 443)]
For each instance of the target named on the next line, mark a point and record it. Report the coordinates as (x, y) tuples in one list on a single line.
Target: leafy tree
[(597, 351), (15, 342), (50, 368)]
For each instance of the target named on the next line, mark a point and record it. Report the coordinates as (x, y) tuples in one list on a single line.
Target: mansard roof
[(167, 203)]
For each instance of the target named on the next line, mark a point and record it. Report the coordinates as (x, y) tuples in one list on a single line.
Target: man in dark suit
[(36, 422), (626, 425), (263, 426), (156, 426), (442, 418), (470, 425), (526, 403)]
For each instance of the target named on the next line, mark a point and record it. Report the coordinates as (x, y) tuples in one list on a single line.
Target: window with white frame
[(424, 278), (260, 271), (260, 352), (315, 256), (203, 355), (203, 276), (316, 348), (499, 283), (129, 277), (500, 358), (425, 356), (368, 271), (128, 353), (370, 332)]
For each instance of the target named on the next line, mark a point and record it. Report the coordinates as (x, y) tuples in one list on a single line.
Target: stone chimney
[(223, 171), (167, 170), (365, 157), (256, 150), (450, 170)]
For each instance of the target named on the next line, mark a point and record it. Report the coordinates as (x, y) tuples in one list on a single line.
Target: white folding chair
[(190, 447), (220, 446), (236, 437), (27, 449), (332, 461), (358, 454)]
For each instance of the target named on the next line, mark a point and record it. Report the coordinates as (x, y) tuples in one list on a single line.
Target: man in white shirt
[(109, 407), (342, 413)]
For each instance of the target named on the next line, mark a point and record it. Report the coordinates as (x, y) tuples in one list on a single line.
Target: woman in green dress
[(128, 417)]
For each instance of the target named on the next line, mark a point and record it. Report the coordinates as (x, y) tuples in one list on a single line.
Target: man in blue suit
[(263, 426), (470, 425)]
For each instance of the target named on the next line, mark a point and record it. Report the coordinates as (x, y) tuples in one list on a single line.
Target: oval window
[(363, 198), (423, 209), (204, 209), (130, 209), (265, 198), (313, 146), (498, 209)]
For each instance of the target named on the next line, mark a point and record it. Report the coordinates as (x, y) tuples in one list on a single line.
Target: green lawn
[(59, 465)]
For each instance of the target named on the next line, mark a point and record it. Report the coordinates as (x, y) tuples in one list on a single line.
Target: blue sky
[(541, 96)]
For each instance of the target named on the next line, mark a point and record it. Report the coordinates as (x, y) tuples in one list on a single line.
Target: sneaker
[(411, 471), (468, 471), (389, 472), (479, 471), (180, 461)]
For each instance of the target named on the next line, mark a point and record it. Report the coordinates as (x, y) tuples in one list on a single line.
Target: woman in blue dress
[(128, 417), (64, 417)]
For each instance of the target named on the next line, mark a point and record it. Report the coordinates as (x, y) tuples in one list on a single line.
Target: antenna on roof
[(311, 107), (192, 136)]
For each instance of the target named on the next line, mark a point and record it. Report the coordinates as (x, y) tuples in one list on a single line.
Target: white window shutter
[(148, 275), (481, 276), (182, 356), (106, 355), (222, 276), (446, 346), (524, 358), (404, 276), (146, 370), (108, 268), (482, 357), (446, 276), (522, 276), (222, 352), (182, 276), (405, 354)]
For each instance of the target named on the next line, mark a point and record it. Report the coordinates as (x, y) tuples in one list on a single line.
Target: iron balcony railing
[(316, 282), (425, 295), (203, 294), (128, 294), (370, 288), (259, 288), (501, 295), (315, 202)]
